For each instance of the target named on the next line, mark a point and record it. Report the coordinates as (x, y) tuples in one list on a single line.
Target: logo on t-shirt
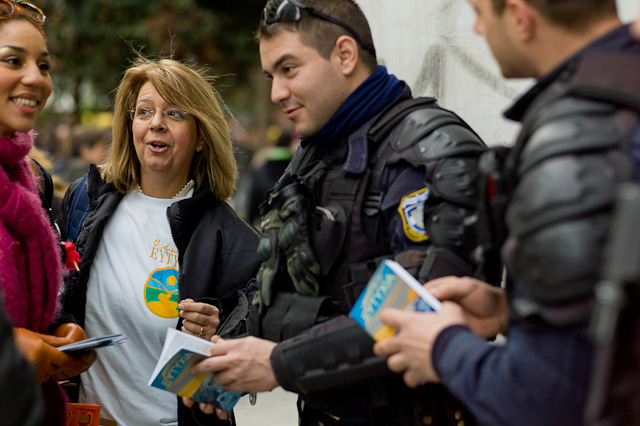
[(164, 254), (161, 292)]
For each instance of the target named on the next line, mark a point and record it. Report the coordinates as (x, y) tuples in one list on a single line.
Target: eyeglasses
[(31, 11), (289, 11), (146, 114)]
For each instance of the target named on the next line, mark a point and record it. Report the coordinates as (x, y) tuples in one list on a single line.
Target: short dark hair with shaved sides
[(322, 35), (574, 15)]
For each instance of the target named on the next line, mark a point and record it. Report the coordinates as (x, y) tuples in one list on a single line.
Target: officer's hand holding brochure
[(79, 348), (181, 352), (391, 286)]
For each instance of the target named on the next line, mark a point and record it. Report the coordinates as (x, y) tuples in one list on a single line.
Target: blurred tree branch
[(91, 42)]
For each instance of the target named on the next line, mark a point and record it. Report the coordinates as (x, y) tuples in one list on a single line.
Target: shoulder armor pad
[(580, 127), (564, 106), (449, 141), (582, 184), (435, 133)]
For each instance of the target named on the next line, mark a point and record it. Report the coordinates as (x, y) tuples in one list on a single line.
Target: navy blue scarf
[(370, 98)]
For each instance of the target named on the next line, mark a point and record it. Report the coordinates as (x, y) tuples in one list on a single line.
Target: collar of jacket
[(616, 40), (183, 215)]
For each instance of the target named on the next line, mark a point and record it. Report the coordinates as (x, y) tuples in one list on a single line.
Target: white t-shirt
[(132, 289)]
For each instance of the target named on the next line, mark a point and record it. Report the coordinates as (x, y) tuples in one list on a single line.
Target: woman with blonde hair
[(160, 247)]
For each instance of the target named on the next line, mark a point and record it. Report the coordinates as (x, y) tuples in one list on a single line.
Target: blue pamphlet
[(172, 373), (390, 286), (79, 348)]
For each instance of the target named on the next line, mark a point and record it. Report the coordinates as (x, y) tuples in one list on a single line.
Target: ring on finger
[(201, 331)]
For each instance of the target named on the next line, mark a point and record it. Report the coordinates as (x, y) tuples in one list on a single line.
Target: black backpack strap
[(381, 129), (45, 183), (393, 116), (45, 187), (79, 210)]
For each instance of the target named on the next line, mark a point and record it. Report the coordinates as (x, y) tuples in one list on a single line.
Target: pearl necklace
[(184, 192)]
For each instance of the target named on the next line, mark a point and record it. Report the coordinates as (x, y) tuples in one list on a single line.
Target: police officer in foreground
[(379, 175), (579, 142)]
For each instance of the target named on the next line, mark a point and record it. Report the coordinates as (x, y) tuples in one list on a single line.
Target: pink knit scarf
[(30, 269)]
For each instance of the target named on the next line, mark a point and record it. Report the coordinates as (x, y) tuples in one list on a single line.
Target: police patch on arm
[(411, 211)]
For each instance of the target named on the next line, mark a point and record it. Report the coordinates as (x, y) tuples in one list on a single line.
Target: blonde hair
[(190, 89)]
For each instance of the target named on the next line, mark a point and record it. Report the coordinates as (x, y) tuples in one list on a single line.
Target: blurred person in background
[(59, 143), (269, 164), (52, 187), (89, 146)]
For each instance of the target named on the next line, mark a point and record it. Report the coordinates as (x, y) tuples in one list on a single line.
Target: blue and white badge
[(411, 211)]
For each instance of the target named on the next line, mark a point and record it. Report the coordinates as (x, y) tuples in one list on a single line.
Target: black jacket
[(217, 251), (20, 397)]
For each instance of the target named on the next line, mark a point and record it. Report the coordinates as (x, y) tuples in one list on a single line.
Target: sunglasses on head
[(289, 11), (31, 11)]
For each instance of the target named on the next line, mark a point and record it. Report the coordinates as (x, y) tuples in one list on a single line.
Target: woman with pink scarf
[(30, 269)]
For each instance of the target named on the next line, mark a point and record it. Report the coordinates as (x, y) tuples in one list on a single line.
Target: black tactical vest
[(347, 236), (575, 135), (344, 224), (612, 78)]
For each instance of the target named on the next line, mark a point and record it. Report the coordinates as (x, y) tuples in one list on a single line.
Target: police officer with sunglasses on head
[(378, 175)]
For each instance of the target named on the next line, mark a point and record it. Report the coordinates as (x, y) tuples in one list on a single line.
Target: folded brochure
[(92, 343), (180, 353), (390, 286)]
